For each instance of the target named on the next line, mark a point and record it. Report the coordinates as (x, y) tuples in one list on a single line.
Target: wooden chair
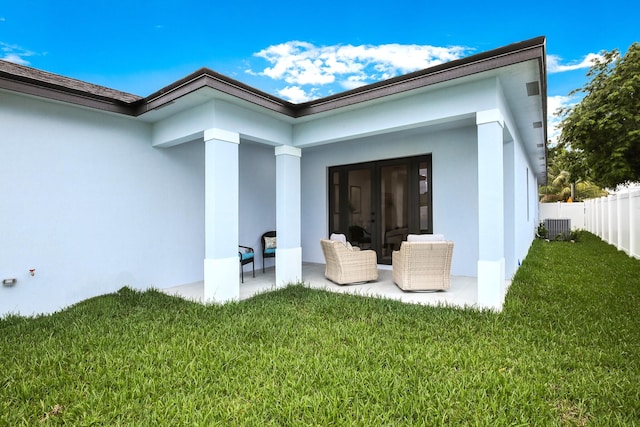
[(268, 240), (246, 257)]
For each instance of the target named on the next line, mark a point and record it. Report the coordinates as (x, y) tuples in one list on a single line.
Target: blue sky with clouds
[(300, 50)]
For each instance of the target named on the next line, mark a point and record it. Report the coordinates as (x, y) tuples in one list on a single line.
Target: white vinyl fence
[(614, 218), (573, 211)]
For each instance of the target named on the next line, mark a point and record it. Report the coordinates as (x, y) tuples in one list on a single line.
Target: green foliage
[(602, 132), (542, 232), (572, 236), (563, 166), (564, 351)]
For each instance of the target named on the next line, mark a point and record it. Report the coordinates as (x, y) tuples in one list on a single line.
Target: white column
[(221, 265), (491, 258), (288, 211)]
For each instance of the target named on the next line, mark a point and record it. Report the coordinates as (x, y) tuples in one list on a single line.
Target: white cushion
[(270, 242), (339, 237), (425, 238), (342, 239)]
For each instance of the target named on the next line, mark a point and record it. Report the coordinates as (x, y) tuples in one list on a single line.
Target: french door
[(376, 204)]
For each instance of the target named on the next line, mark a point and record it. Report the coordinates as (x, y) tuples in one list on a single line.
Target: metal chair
[(268, 241), (246, 257)]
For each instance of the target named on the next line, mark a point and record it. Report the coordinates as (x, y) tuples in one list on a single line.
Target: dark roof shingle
[(55, 81)]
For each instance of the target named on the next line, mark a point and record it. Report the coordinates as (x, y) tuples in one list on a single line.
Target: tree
[(602, 132), (560, 182)]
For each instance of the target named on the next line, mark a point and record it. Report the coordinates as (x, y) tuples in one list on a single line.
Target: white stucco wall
[(426, 108), (89, 204), (520, 196), (454, 164), (219, 114), (257, 202), (526, 205), (520, 192)]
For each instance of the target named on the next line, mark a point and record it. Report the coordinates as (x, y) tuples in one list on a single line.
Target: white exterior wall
[(429, 108), (525, 204), (190, 124), (93, 206), (520, 194), (89, 204), (257, 197), (454, 164)]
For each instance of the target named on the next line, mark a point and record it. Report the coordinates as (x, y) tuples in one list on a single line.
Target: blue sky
[(300, 50)]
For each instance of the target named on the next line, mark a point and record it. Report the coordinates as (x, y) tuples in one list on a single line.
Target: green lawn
[(564, 351)]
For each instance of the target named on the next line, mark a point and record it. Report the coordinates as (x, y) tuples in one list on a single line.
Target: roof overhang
[(205, 85)]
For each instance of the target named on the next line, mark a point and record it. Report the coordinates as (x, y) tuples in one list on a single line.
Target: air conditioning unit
[(556, 227)]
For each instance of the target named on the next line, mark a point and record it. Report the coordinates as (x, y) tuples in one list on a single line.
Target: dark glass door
[(377, 204)]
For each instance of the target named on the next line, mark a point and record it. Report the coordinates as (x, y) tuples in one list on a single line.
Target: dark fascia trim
[(508, 55), (19, 78), (39, 83), (66, 95), (205, 77)]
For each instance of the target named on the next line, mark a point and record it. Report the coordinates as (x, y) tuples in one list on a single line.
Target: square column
[(288, 211), (491, 206), (221, 265)]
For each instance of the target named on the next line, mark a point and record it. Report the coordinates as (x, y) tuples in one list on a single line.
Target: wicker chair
[(423, 266), (346, 265)]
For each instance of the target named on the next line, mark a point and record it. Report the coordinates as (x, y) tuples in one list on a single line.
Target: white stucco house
[(100, 189)]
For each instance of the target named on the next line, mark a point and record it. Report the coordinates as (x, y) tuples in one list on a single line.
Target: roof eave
[(69, 90)]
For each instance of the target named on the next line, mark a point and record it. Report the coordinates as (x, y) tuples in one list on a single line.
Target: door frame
[(338, 194)]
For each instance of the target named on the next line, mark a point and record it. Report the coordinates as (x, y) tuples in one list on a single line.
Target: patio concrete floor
[(463, 291)]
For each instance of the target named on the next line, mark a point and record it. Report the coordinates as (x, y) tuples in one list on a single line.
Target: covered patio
[(463, 291), (206, 164)]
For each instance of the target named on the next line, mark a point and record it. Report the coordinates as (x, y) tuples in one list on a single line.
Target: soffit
[(514, 65)]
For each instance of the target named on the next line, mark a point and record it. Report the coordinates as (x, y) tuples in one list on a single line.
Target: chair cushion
[(270, 251), (425, 238), (341, 238), (247, 255), (338, 237), (270, 242)]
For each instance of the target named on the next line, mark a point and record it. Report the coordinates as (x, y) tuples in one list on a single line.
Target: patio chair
[(423, 265), (246, 257), (345, 265), (268, 240)]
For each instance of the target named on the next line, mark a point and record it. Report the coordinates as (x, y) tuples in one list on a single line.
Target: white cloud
[(554, 66), (554, 103), (16, 59), (301, 63), (353, 82), (15, 54), (294, 94)]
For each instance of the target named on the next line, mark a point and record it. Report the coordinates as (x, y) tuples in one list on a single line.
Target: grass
[(564, 351)]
